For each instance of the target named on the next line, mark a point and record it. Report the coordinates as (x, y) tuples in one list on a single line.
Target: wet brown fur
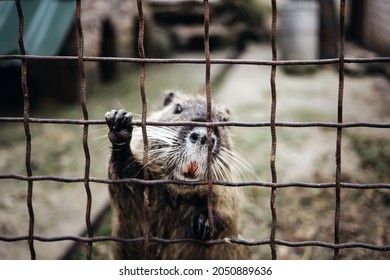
[(174, 210)]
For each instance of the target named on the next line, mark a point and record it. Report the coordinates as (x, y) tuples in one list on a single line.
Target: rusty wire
[(339, 129), (210, 242), (253, 62), (206, 43), (142, 75), (213, 124), (273, 132), (196, 183), (207, 61), (83, 103), (26, 114)]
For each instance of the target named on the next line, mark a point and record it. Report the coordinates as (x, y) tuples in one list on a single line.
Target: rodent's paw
[(120, 125), (201, 227)]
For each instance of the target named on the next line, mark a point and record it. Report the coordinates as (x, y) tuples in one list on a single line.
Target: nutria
[(176, 211)]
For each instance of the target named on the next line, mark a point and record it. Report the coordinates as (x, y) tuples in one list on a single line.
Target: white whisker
[(99, 137), (102, 146), (165, 150), (94, 130), (241, 166)]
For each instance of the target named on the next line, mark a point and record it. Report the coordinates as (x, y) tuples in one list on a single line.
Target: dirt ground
[(308, 155), (303, 155)]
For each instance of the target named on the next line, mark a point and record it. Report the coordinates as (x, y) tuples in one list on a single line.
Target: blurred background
[(174, 29)]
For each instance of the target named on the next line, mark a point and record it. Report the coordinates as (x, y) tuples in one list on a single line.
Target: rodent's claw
[(120, 125), (201, 227)]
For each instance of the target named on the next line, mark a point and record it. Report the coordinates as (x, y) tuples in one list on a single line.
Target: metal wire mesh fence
[(142, 61)]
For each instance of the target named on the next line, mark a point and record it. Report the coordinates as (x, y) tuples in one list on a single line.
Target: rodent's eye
[(178, 109)]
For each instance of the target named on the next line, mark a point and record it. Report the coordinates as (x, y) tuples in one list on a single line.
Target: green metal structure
[(46, 25)]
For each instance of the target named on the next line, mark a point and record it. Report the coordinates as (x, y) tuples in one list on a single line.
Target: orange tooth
[(193, 167)]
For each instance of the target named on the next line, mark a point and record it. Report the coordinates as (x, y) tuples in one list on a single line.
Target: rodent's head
[(181, 152), (182, 107)]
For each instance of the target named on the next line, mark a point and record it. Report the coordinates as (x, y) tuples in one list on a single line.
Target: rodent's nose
[(195, 137), (200, 137), (199, 134)]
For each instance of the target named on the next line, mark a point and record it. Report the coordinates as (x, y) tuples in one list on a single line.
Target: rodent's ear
[(169, 97), (224, 114)]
